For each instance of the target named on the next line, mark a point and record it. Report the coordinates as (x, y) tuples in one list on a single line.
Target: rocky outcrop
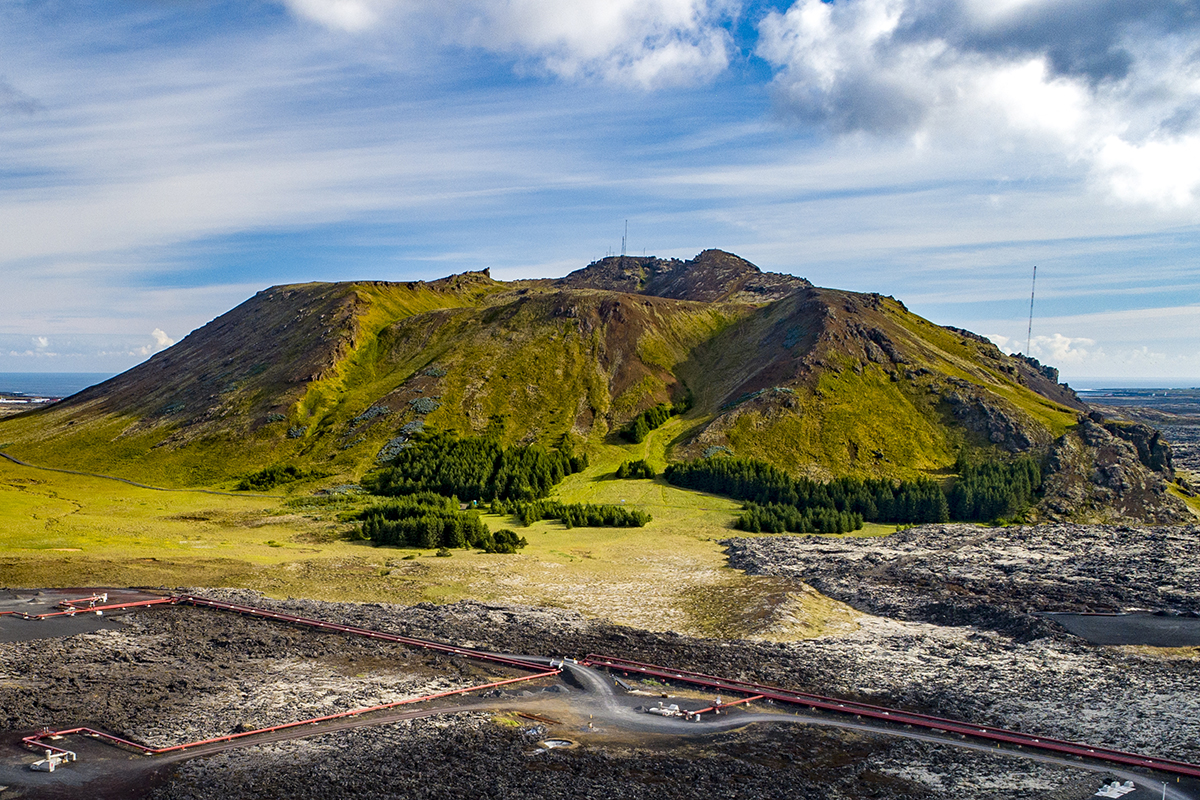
[(712, 276), (994, 420), (1153, 451), (1106, 471), (1047, 371)]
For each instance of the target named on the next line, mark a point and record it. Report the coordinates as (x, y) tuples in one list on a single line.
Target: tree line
[(573, 515), (272, 476), (984, 490), (780, 518), (762, 484), (427, 520), (988, 490), (474, 468)]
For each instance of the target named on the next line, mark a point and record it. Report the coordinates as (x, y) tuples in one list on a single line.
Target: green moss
[(839, 428), (639, 395), (1193, 502), (948, 353)]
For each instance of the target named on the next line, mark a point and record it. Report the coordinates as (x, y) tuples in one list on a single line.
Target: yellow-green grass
[(106, 447), (1193, 502), (380, 305), (837, 429), (70, 530), (504, 355), (44, 512), (950, 354), (1165, 653)]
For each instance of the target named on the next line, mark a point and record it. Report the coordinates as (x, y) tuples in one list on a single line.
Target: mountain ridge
[(821, 382)]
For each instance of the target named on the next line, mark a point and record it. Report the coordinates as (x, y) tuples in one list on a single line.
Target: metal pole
[(1029, 333)]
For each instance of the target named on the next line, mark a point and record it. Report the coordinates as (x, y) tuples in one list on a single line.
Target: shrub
[(506, 541), (271, 477), (635, 469)]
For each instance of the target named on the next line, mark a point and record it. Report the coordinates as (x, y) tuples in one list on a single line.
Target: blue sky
[(162, 161)]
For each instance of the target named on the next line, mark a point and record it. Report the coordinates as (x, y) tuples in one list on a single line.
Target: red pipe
[(200, 602), (36, 740), (96, 598), (73, 611), (901, 717), (727, 705)]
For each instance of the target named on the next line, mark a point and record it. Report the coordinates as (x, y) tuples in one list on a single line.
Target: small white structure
[(52, 760), (665, 711), (1115, 789)]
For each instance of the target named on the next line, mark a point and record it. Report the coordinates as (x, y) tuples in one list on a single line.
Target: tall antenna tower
[(1029, 333), (625, 238)]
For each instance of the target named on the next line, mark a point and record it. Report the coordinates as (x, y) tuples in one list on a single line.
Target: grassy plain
[(72, 530)]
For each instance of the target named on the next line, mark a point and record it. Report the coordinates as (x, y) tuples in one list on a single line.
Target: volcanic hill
[(818, 381)]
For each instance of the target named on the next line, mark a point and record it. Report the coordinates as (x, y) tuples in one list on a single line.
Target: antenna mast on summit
[(625, 238), (1029, 333)]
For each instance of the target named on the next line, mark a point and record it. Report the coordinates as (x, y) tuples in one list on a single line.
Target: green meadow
[(67, 530)]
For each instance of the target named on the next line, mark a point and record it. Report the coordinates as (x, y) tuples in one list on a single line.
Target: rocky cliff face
[(1108, 471)]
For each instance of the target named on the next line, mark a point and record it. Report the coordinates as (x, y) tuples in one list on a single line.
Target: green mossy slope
[(817, 381)]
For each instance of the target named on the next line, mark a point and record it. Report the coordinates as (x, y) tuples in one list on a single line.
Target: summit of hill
[(713, 276)]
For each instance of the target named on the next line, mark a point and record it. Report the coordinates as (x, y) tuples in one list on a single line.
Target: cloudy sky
[(162, 161)]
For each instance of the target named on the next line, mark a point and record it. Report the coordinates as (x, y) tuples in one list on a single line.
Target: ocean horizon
[(50, 384), (1097, 384)]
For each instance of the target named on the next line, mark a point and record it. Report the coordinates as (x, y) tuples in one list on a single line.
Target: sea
[(49, 384), (1100, 384)]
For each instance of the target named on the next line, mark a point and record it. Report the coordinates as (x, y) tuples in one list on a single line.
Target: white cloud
[(1131, 343), (1116, 88), (347, 15), (1162, 172), (161, 341), (647, 43), (1057, 349), (1065, 350), (88, 352)]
